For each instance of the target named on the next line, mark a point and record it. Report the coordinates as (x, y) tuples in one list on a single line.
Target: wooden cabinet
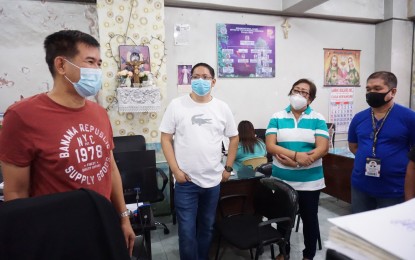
[(337, 174)]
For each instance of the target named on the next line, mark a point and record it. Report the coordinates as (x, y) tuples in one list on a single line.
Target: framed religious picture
[(341, 68), (134, 55), (184, 78), (135, 58)]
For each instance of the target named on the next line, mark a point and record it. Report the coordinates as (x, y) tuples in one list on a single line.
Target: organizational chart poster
[(245, 51)]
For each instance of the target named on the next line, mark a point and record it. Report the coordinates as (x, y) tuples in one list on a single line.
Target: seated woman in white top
[(249, 145)]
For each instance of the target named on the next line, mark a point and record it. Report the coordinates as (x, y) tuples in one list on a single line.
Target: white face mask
[(297, 101), (90, 82)]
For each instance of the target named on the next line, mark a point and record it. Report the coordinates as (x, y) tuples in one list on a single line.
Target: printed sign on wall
[(245, 51)]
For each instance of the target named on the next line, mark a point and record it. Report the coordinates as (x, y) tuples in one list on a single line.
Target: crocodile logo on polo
[(196, 119)]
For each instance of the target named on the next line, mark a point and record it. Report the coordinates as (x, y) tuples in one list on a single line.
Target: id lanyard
[(376, 131)]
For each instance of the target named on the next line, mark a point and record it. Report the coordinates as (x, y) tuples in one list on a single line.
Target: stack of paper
[(387, 233)]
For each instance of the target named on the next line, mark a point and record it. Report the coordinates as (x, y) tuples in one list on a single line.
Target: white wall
[(24, 24), (402, 45), (301, 55)]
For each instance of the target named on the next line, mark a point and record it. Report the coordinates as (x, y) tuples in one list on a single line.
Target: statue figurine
[(285, 27), (136, 66)]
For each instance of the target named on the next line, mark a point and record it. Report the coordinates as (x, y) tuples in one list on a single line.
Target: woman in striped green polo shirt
[(298, 138)]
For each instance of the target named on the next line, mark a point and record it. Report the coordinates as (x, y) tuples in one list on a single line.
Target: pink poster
[(184, 78)]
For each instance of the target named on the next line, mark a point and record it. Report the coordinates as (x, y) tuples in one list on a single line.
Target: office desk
[(338, 166)]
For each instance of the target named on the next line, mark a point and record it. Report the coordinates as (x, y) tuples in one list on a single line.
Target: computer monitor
[(138, 174)]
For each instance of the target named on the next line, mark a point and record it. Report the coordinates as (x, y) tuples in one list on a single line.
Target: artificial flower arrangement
[(124, 77), (143, 76)]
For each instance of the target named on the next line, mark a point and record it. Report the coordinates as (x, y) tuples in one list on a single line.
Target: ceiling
[(295, 8)]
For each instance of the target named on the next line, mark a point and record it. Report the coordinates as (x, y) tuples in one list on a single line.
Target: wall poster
[(341, 67), (245, 51), (181, 34), (184, 78), (341, 108)]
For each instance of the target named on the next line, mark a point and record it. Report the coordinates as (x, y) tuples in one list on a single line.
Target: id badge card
[(372, 167)]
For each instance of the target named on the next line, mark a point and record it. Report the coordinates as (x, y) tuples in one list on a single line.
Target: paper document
[(387, 233), (133, 206)]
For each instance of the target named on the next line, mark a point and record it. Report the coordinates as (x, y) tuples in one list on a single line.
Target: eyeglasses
[(302, 93), (205, 77)]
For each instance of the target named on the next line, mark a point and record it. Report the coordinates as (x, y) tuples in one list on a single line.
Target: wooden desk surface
[(337, 174)]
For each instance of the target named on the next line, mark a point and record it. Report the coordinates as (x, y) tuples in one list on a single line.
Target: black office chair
[(274, 200), (140, 178), (260, 133), (78, 224), (129, 143), (265, 169)]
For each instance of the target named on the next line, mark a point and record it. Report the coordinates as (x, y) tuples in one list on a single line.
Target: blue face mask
[(201, 86), (90, 82)]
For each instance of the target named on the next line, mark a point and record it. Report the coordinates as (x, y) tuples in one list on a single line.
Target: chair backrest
[(129, 143), (255, 162), (79, 224), (276, 199), (139, 175), (260, 133), (265, 169)]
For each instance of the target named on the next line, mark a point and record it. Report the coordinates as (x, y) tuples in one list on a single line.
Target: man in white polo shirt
[(198, 123)]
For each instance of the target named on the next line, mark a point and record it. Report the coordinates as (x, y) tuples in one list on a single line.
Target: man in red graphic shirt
[(59, 141)]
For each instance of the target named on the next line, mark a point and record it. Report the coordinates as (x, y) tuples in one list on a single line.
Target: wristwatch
[(125, 213), (228, 168)]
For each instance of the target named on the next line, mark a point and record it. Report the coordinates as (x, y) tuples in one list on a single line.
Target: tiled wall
[(132, 22)]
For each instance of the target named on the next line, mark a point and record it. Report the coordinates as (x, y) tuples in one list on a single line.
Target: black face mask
[(376, 100)]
